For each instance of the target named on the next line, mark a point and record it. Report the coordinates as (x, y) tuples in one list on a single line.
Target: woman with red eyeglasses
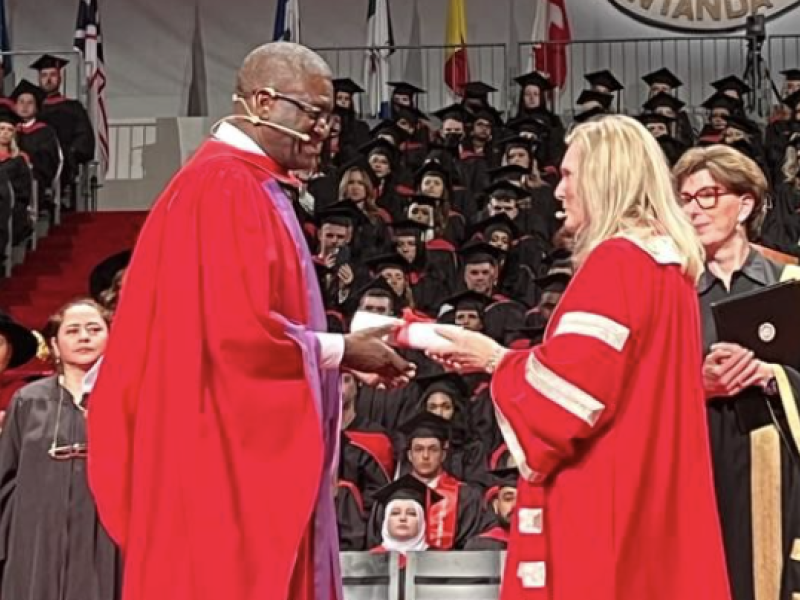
[(752, 409), (52, 544)]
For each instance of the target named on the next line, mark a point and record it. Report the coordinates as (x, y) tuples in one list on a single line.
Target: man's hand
[(345, 275), (729, 369), (373, 361)]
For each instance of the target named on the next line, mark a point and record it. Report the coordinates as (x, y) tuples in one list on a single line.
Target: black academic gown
[(74, 131), (471, 518), (359, 466), (40, 143), (351, 518), (52, 545), (738, 427), (494, 540), (781, 229), (18, 174)]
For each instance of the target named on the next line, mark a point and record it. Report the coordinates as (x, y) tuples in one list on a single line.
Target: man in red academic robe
[(218, 389)]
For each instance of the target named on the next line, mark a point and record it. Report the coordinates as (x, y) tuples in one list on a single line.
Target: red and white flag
[(89, 42), (550, 36)]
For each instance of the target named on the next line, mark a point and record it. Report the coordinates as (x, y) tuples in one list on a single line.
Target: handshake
[(369, 350)]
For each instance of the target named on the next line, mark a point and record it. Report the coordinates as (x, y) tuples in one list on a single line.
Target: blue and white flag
[(5, 40), (380, 46), (287, 21)]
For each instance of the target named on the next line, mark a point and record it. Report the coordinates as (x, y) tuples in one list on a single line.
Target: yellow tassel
[(43, 351)]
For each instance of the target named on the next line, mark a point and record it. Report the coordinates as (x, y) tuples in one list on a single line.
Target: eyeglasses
[(707, 198), (69, 451), (313, 112)]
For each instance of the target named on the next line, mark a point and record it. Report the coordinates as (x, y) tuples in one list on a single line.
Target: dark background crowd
[(452, 217), (449, 217)]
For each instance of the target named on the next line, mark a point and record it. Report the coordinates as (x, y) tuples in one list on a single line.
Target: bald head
[(285, 92), (277, 64)]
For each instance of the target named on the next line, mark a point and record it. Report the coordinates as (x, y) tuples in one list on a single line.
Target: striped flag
[(89, 42), (197, 103), (550, 36), (5, 40), (380, 46), (456, 66), (287, 21)]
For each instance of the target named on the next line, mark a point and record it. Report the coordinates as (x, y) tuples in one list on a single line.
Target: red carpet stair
[(58, 270)]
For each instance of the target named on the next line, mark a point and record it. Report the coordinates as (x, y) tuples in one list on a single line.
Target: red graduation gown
[(616, 500), (206, 448)]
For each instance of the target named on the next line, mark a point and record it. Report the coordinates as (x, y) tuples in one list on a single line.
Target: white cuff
[(331, 349)]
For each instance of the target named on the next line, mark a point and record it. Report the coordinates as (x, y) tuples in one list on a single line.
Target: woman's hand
[(730, 369), (473, 352)]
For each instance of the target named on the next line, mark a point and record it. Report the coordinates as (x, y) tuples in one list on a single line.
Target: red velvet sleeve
[(565, 390)]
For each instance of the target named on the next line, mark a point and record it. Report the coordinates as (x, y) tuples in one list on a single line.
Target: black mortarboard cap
[(720, 100), (487, 113), (408, 227), (478, 89), (391, 128), (791, 74), (102, 275), (468, 300), (426, 425), (48, 61), (602, 98), (9, 116), (387, 261), (410, 113), (432, 167), (651, 117), (443, 381), (377, 283), (490, 224), (345, 84), (505, 477), (534, 78), (663, 76), (405, 88), (424, 200), (604, 78), (343, 213), (507, 172), (534, 122), (663, 99), (587, 115), (519, 141), (26, 87), (731, 82), (457, 112), (506, 188), (407, 487), (475, 252), (742, 124), (792, 100), (380, 146)]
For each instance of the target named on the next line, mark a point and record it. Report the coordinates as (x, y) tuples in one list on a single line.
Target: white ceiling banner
[(702, 16)]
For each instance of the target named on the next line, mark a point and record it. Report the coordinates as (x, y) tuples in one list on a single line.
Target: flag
[(380, 46), (89, 42), (551, 35), (413, 70), (197, 105), (456, 65), (5, 41), (287, 21), (513, 44)]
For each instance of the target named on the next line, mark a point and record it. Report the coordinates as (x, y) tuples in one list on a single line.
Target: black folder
[(766, 321)]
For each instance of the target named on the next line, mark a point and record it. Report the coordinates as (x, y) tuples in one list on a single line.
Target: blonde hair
[(733, 171), (370, 207), (626, 189)]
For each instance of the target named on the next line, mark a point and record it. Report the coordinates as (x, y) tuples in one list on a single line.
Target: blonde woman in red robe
[(606, 418)]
